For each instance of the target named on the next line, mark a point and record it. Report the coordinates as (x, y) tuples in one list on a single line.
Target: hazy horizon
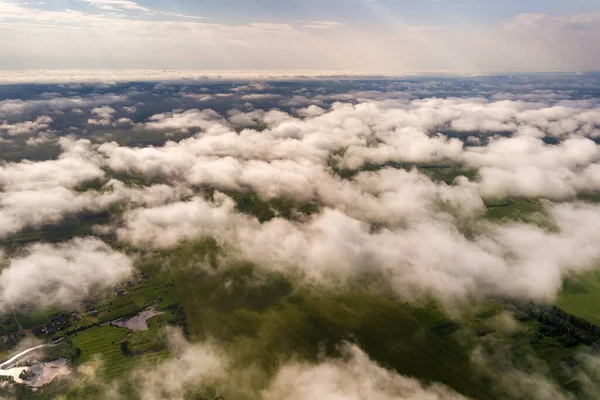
[(373, 35)]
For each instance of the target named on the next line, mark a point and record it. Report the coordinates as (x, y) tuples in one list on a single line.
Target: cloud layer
[(362, 157), (62, 275)]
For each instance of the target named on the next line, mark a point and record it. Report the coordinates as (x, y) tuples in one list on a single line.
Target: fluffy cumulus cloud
[(195, 367), (517, 163), (101, 115), (36, 194), (112, 5), (183, 120), (76, 164), (178, 222), (62, 275), (420, 247), (14, 107), (425, 236), (354, 378), (41, 123), (52, 205), (428, 256)]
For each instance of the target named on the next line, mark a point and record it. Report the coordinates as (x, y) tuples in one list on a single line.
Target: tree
[(125, 349)]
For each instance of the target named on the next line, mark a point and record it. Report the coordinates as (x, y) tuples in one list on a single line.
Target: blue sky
[(353, 11), (373, 35)]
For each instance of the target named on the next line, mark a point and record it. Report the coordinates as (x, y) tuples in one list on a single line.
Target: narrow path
[(16, 319), (15, 358)]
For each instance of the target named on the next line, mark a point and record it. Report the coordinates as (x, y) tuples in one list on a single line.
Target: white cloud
[(134, 75), (193, 366), (353, 378), (373, 132), (260, 96), (178, 222), (41, 123), (47, 187), (62, 275), (525, 166), (320, 24), (17, 106), (75, 165), (419, 245), (425, 255), (543, 22), (115, 4), (102, 116)]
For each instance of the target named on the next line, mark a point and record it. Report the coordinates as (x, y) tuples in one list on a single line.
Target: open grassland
[(581, 297)]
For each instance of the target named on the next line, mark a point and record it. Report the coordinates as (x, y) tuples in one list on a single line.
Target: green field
[(514, 209), (105, 342), (68, 228), (581, 296)]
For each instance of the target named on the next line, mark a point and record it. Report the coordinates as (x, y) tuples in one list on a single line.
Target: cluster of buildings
[(57, 322)]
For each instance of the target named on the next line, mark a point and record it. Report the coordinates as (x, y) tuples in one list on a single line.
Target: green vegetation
[(19, 151), (591, 197), (267, 209), (68, 228), (438, 173), (447, 174), (144, 292), (581, 296), (119, 349), (93, 184), (125, 350), (134, 178), (517, 209), (104, 341)]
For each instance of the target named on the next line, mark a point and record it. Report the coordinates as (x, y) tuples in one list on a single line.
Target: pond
[(140, 321)]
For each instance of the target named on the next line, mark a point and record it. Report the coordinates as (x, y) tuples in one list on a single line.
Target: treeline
[(179, 319), (265, 209), (568, 329)]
